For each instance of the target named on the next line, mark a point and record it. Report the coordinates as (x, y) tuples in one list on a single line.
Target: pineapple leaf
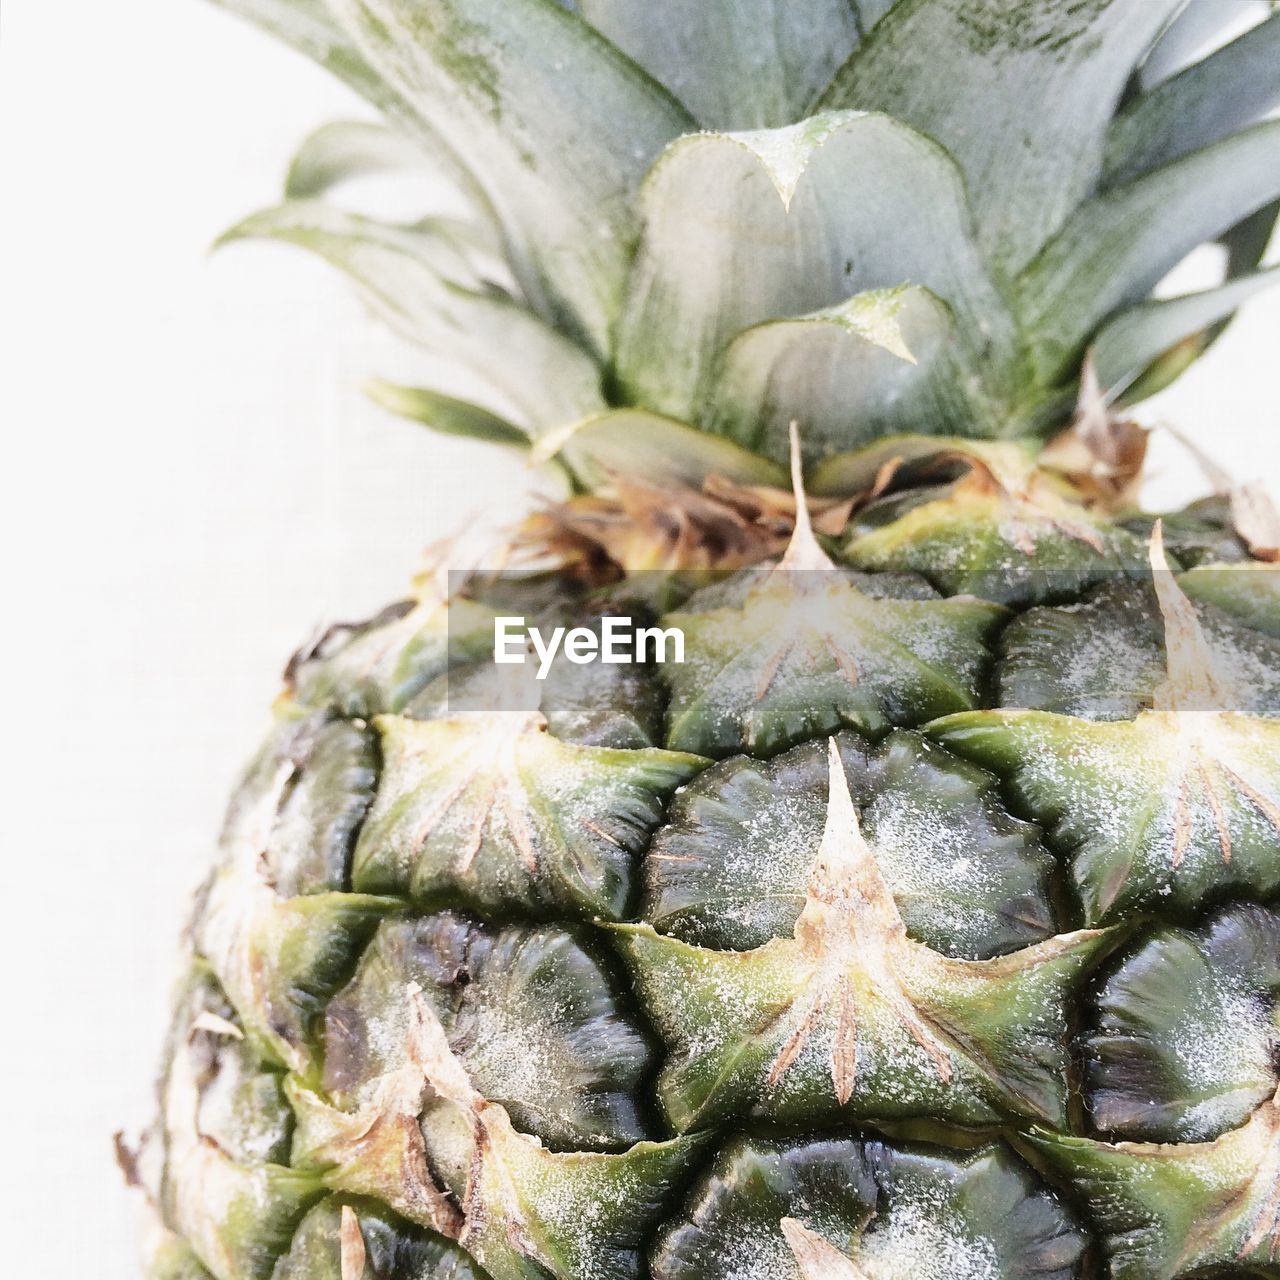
[(309, 27), (1198, 27), (1233, 87), (969, 75), (736, 64), (342, 150), (882, 362), (855, 472), (745, 228), (560, 126), (1116, 247), (629, 443), (446, 414), (1129, 342), (869, 12), (424, 282)]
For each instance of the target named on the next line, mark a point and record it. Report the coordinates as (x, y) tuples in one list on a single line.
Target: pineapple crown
[(692, 222)]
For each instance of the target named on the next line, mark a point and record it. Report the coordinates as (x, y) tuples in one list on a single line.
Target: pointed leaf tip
[(817, 1258), (351, 1245), (1192, 683), (841, 832), (804, 551)]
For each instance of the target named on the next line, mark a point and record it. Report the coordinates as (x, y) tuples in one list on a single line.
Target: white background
[(192, 480)]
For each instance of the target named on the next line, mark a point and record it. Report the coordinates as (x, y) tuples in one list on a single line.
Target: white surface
[(192, 480)]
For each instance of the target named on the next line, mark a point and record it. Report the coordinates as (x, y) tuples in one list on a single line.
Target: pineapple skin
[(923, 921), (512, 994)]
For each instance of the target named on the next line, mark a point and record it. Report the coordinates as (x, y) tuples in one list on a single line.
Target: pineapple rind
[(894, 1211), (729, 867), (1006, 180), (572, 1005), (1184, 1034)]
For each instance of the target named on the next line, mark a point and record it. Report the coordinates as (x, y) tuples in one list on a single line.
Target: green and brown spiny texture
[(924, 924)]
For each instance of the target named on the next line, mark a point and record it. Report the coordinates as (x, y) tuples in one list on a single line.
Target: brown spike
[(804, 552), (818, 1259), (1192, 683), (351, 1248)]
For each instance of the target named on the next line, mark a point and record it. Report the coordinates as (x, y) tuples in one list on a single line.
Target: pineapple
[(922, 921)]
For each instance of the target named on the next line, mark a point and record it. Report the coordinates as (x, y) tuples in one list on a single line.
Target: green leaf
[(446, 414), (978, 77), (1179, 1209), (344, 150), (736, 64), (1196, 28), (632, 444), (557, 123), (1128, 343), (745, 228), (309, 27), (1233, 87), (854, 473), (490, 810), (348, 149), (881, 363), (1118, 246), (886, 1209), (421, 281), (1183, 1042), (869, 12)]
